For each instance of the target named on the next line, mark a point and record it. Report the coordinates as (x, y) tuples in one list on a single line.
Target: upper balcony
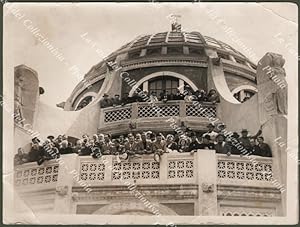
[(147, 116)]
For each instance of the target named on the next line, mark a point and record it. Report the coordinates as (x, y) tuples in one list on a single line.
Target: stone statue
[(272, 84)]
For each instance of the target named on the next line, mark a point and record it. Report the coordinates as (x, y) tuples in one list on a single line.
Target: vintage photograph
[(150, 113)]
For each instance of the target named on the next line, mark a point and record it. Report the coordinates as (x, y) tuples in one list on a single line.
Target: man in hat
[(105, 101), (206, 143), (264, 148), (222, 147), (232, 141), (211, 133), (245, 138), (194, 145)]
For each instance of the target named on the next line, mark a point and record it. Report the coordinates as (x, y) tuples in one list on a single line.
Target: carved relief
[(62, 190), (207, 187)]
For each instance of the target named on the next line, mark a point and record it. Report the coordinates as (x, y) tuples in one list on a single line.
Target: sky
[(263, 27)]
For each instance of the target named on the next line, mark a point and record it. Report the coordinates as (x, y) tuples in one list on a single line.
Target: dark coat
[(222, 148)]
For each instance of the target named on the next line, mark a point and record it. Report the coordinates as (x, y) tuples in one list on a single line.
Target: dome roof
[(178, 38)]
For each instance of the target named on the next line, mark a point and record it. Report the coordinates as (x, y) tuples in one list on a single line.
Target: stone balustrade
[(204, 176), (248, 171), (30, 175), (173, 168)]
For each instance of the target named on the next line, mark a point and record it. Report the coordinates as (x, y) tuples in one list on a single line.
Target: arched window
[(244, 95), (84, 102), (163, 80), (244, 92), (161, 83)]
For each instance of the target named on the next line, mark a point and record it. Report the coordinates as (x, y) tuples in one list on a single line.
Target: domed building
[(176, 57), (202, 183)]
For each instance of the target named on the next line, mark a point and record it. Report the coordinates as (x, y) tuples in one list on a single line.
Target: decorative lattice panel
[(117, 115), (243, 170), (158, 111), (203, 111), (135, 170), (247, 211), (181, 169), (92, 171), (38, 175)]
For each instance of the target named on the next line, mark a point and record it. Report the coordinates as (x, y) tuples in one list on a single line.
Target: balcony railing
[(174, 168), (142, 170), (252, 171), (31, 175), (145, 110)]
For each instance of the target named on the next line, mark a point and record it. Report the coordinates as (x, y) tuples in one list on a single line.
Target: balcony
[(202, 179), (144, 116)]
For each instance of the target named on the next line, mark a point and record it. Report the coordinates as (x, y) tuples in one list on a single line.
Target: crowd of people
[(164, 96), (132, 146)]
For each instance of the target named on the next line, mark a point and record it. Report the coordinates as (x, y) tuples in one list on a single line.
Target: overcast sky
[(112, 25)]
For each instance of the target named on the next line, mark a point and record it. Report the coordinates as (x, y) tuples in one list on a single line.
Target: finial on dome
[(175, 26)]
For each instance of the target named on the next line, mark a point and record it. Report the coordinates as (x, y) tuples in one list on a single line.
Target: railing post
[(66, 174), (134, 109), (182, 109), (207, 182), (108, 162), (163, 168), (101, 118)]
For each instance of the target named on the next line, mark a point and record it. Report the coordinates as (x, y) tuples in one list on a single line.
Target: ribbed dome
[(177, 38)]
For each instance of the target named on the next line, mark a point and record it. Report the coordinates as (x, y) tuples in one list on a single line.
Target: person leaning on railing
[(171, 145), (206, 143), (21, 157), (221, 146), (158, 147), (245, 138), (105, 101), (144, 145), (194, 144)]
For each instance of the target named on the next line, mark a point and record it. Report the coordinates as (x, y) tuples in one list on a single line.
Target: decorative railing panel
[(31, 174), (179, 169), (243, 169), (146, 169), (201, 110), (118, 114), (172, 108), (158, 110), (92, 171)]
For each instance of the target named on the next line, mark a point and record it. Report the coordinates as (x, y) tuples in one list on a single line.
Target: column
[(181, 85), (68, 167), (145, 86), (207, 182)]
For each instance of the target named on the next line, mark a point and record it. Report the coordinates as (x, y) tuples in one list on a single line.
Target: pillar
[(63, 195), (207, 183)]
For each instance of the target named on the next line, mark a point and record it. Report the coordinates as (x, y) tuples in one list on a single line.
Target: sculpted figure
[(272, 84)]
